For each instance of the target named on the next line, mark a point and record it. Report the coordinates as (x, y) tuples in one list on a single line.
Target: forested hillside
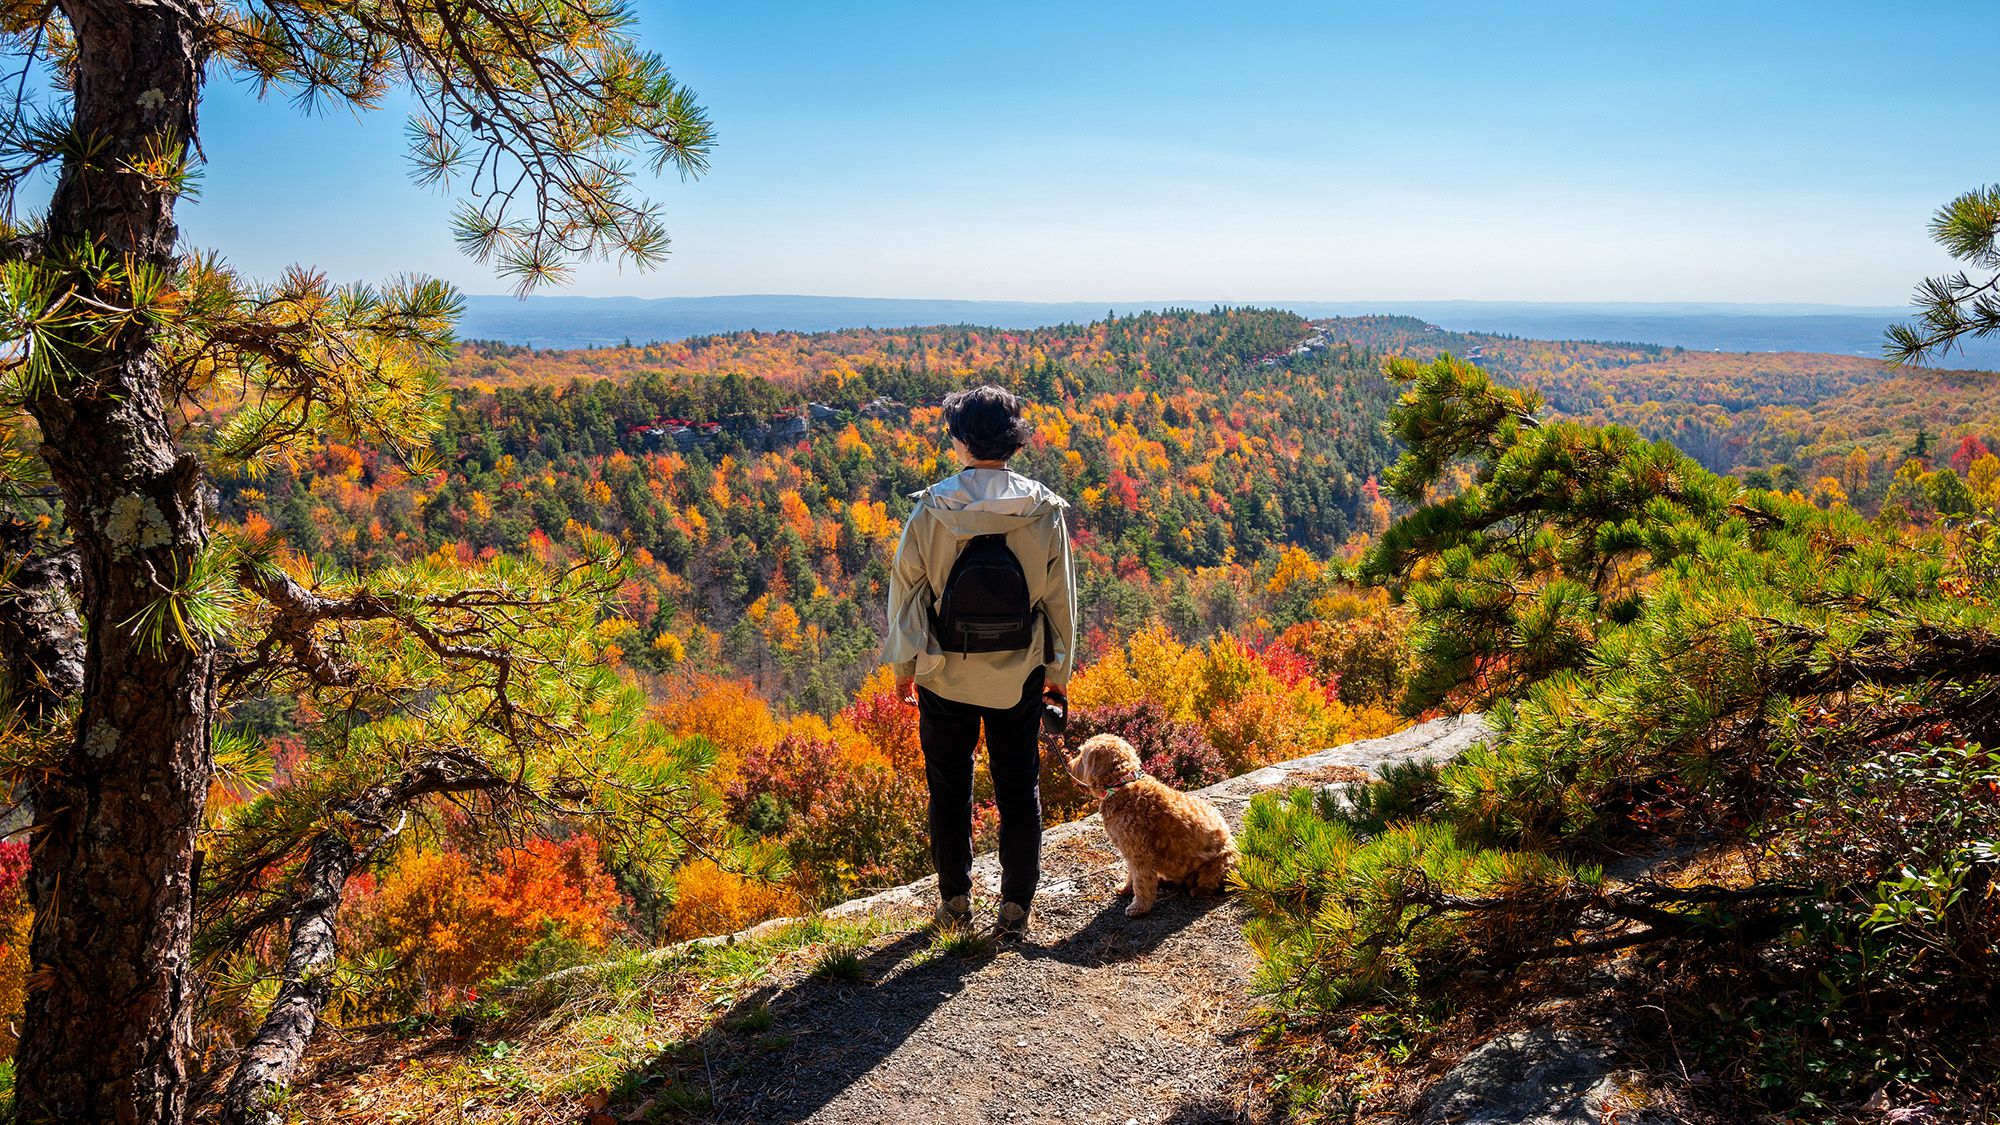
[(721, 515), (758, 482)]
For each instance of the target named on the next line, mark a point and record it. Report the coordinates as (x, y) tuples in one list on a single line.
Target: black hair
[(988, 420)]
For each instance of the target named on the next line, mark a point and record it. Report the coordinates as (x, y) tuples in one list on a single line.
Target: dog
[(1160, 832)]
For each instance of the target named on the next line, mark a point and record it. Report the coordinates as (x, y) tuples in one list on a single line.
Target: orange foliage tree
[(450, 926)]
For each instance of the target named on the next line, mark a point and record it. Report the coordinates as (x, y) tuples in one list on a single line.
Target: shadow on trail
[(1110, 937), (1219, 1112), (781, 1054)]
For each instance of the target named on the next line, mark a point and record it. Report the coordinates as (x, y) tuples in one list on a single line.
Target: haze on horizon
[(1265, 151)]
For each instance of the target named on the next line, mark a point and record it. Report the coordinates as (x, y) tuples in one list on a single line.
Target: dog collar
[(1122, 783)]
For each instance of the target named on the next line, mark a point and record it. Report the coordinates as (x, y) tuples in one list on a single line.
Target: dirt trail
[(1096, 1018)]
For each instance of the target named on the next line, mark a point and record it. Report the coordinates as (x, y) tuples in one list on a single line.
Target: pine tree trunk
[(41, 638), (108, 1027), (358, 827)]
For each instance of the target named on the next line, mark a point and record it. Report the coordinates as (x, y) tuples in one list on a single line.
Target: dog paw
[(1138, 908)]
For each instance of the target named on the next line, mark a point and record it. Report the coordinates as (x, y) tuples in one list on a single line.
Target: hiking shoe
[(955, 912), (1013, 924)]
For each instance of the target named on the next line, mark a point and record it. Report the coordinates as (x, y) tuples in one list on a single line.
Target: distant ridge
[(583, 322), (586, 322)]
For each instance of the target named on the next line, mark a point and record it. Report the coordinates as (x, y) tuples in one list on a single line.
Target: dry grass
[(600, 1044)]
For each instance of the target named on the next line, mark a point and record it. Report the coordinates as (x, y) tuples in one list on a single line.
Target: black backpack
[(984, 607)]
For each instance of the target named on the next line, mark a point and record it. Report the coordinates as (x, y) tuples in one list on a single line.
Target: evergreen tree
[(118, 345), (1654, 646)]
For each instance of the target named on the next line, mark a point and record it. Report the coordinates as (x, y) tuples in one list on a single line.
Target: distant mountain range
[(584, 322)]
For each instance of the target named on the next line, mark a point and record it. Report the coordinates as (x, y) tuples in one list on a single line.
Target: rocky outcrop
[(1542, 1076), (1433, 741)]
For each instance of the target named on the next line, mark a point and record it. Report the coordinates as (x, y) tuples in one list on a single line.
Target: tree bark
[(108, 1026), (41, 637)]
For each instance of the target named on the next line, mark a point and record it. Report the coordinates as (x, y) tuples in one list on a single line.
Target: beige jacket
[(981, 502)]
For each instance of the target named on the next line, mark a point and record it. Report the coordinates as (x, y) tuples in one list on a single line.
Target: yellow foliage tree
[(1983, 475)]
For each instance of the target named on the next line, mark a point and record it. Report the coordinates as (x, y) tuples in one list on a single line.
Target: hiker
[(982, 631)]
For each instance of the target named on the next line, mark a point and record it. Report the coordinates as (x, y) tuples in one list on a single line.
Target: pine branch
[(1646, 904), (19, 247), (1882, 657)]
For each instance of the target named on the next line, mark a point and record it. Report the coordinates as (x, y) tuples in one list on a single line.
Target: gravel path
[(1096, 1018)]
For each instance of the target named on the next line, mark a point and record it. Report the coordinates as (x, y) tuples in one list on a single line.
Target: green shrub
[(1666, 659), (1343, 913)]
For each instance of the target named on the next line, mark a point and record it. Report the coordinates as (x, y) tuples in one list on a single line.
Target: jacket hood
[(988, 501)]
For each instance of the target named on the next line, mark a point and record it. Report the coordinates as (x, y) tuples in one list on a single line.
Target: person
[(996, 664)]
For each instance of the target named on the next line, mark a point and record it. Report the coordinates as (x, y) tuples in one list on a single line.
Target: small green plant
[(839, 964), (752, 1021), (552, 952), (677, 1101), (966, 945)]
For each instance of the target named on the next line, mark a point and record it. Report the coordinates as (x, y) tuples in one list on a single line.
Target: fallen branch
[(360, 827)]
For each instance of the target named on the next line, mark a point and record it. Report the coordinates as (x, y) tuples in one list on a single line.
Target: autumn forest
[(1224, 469)]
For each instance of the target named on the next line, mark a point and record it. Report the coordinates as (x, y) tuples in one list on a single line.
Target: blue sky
[(1243, 151)]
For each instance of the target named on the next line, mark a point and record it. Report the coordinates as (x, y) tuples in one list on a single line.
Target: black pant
[(949, 732)]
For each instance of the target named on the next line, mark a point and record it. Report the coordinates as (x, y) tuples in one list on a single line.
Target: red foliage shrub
[(890, 727), (13, 867), (797, 771), (868, 829), (1288, 662), (1969, 450), (16, 921)]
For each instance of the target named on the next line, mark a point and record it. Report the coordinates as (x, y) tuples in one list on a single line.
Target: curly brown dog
[(1162, 833)]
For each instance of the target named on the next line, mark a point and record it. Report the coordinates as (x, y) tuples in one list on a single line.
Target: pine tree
[(1654, 645), (122, 348)]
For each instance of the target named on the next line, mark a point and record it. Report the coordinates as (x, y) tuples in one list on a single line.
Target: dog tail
[(1214, 875)]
